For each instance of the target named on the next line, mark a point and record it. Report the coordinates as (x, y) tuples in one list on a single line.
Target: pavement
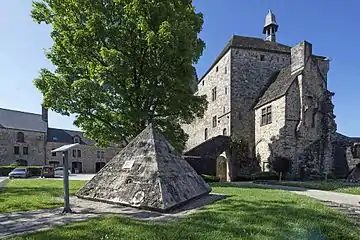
[(325, 196)]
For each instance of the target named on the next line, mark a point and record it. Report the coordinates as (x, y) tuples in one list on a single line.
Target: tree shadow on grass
[(247, 214)]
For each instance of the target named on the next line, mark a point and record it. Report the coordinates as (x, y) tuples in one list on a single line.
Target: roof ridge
[(65, 129), (12, 110)]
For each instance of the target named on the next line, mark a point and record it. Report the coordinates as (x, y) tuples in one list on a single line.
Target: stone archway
[(222, 168)]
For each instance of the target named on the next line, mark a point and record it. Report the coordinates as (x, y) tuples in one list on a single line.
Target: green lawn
[(22, 195), (330, 185), (247, 213)]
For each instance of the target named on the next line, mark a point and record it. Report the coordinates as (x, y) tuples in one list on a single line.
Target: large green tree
[(121, 64)]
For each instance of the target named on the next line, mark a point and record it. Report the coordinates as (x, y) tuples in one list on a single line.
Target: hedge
[(265, 176), (34, 170), (209, 178)]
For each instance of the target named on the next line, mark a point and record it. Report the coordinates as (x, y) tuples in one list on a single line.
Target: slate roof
[(250, 43), (67, 136), (25, 121), (277, 86)]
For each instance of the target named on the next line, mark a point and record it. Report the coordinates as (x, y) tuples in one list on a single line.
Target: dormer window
[(76, 139), (20, 137)]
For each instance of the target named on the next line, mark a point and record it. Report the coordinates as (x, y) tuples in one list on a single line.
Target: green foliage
[(34, 170), (265, 176), (210, 178), (121, 64)]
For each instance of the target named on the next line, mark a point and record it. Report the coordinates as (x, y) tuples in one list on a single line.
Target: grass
[(247, 213), (23, 195), (330, 185)]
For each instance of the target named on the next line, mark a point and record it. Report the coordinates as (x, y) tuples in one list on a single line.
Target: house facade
[(26, 138)]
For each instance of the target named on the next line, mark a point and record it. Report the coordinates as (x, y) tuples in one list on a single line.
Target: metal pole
[(66, 183)]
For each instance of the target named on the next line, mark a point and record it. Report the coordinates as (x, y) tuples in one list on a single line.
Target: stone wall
[(266, 134), (34, 141), (250, 72), (89, 156), (219, 78)]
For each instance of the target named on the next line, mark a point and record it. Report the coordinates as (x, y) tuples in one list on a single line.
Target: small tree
[(281, 165)]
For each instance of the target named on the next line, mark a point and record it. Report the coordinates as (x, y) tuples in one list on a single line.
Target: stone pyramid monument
[(148, 174)]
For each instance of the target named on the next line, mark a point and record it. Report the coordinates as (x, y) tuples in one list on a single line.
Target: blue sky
[(331, 26)]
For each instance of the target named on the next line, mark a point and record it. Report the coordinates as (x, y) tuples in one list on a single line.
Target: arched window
[(20, 137), (224, 132), (76, 139), (206, 133)]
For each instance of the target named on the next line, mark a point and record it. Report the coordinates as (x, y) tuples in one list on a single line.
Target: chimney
[(44, 114), (299, 56)]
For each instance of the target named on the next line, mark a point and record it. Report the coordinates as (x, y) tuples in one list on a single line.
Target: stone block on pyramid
[(148, 173)]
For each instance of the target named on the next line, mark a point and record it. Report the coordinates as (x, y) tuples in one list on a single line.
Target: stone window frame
[(206, 133), (100, 154), (262, 57), (225, 71), (26, 150), (78, 153), (16, 150), (356, 151), (214, 121), (53, 154), (20, 137), (213, 94), (77, 139), (266, 115), (225, 132)]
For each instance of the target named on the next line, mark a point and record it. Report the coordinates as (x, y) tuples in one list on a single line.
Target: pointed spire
[(270, 27)]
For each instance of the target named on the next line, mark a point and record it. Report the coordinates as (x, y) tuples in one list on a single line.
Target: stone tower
[(270, 27)]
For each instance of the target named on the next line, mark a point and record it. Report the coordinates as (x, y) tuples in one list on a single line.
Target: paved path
[(327, 196), (31, 221)]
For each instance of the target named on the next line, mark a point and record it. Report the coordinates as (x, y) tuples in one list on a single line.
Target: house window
[(224, 132), (98, 154), (203, 82), (79, 153), (239, 115), (262, 57), (217, 68), (16, 150), (20, 137), (356, 151), (214, 121), (266, 115), (74, 153), (225, 90), (206, 133), (25, 150), (213, 95), (53, 153), (225, 70), (76, 139), (224, 109), (102, 154)]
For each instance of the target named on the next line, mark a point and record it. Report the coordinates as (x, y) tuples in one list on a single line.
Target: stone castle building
[(271, 97), (25, 138)]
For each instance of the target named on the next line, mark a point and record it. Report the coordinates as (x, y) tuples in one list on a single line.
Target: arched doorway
[(221, 168), (98, 166)]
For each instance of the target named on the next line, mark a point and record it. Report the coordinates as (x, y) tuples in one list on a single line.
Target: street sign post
[(65, 152)]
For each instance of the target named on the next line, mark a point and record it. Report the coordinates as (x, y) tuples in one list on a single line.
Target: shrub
[(265, 176), (241, 178), (209, 178), (34, 170)]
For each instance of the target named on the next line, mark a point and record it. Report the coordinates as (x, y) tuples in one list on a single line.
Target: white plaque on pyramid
[(128, 164)]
